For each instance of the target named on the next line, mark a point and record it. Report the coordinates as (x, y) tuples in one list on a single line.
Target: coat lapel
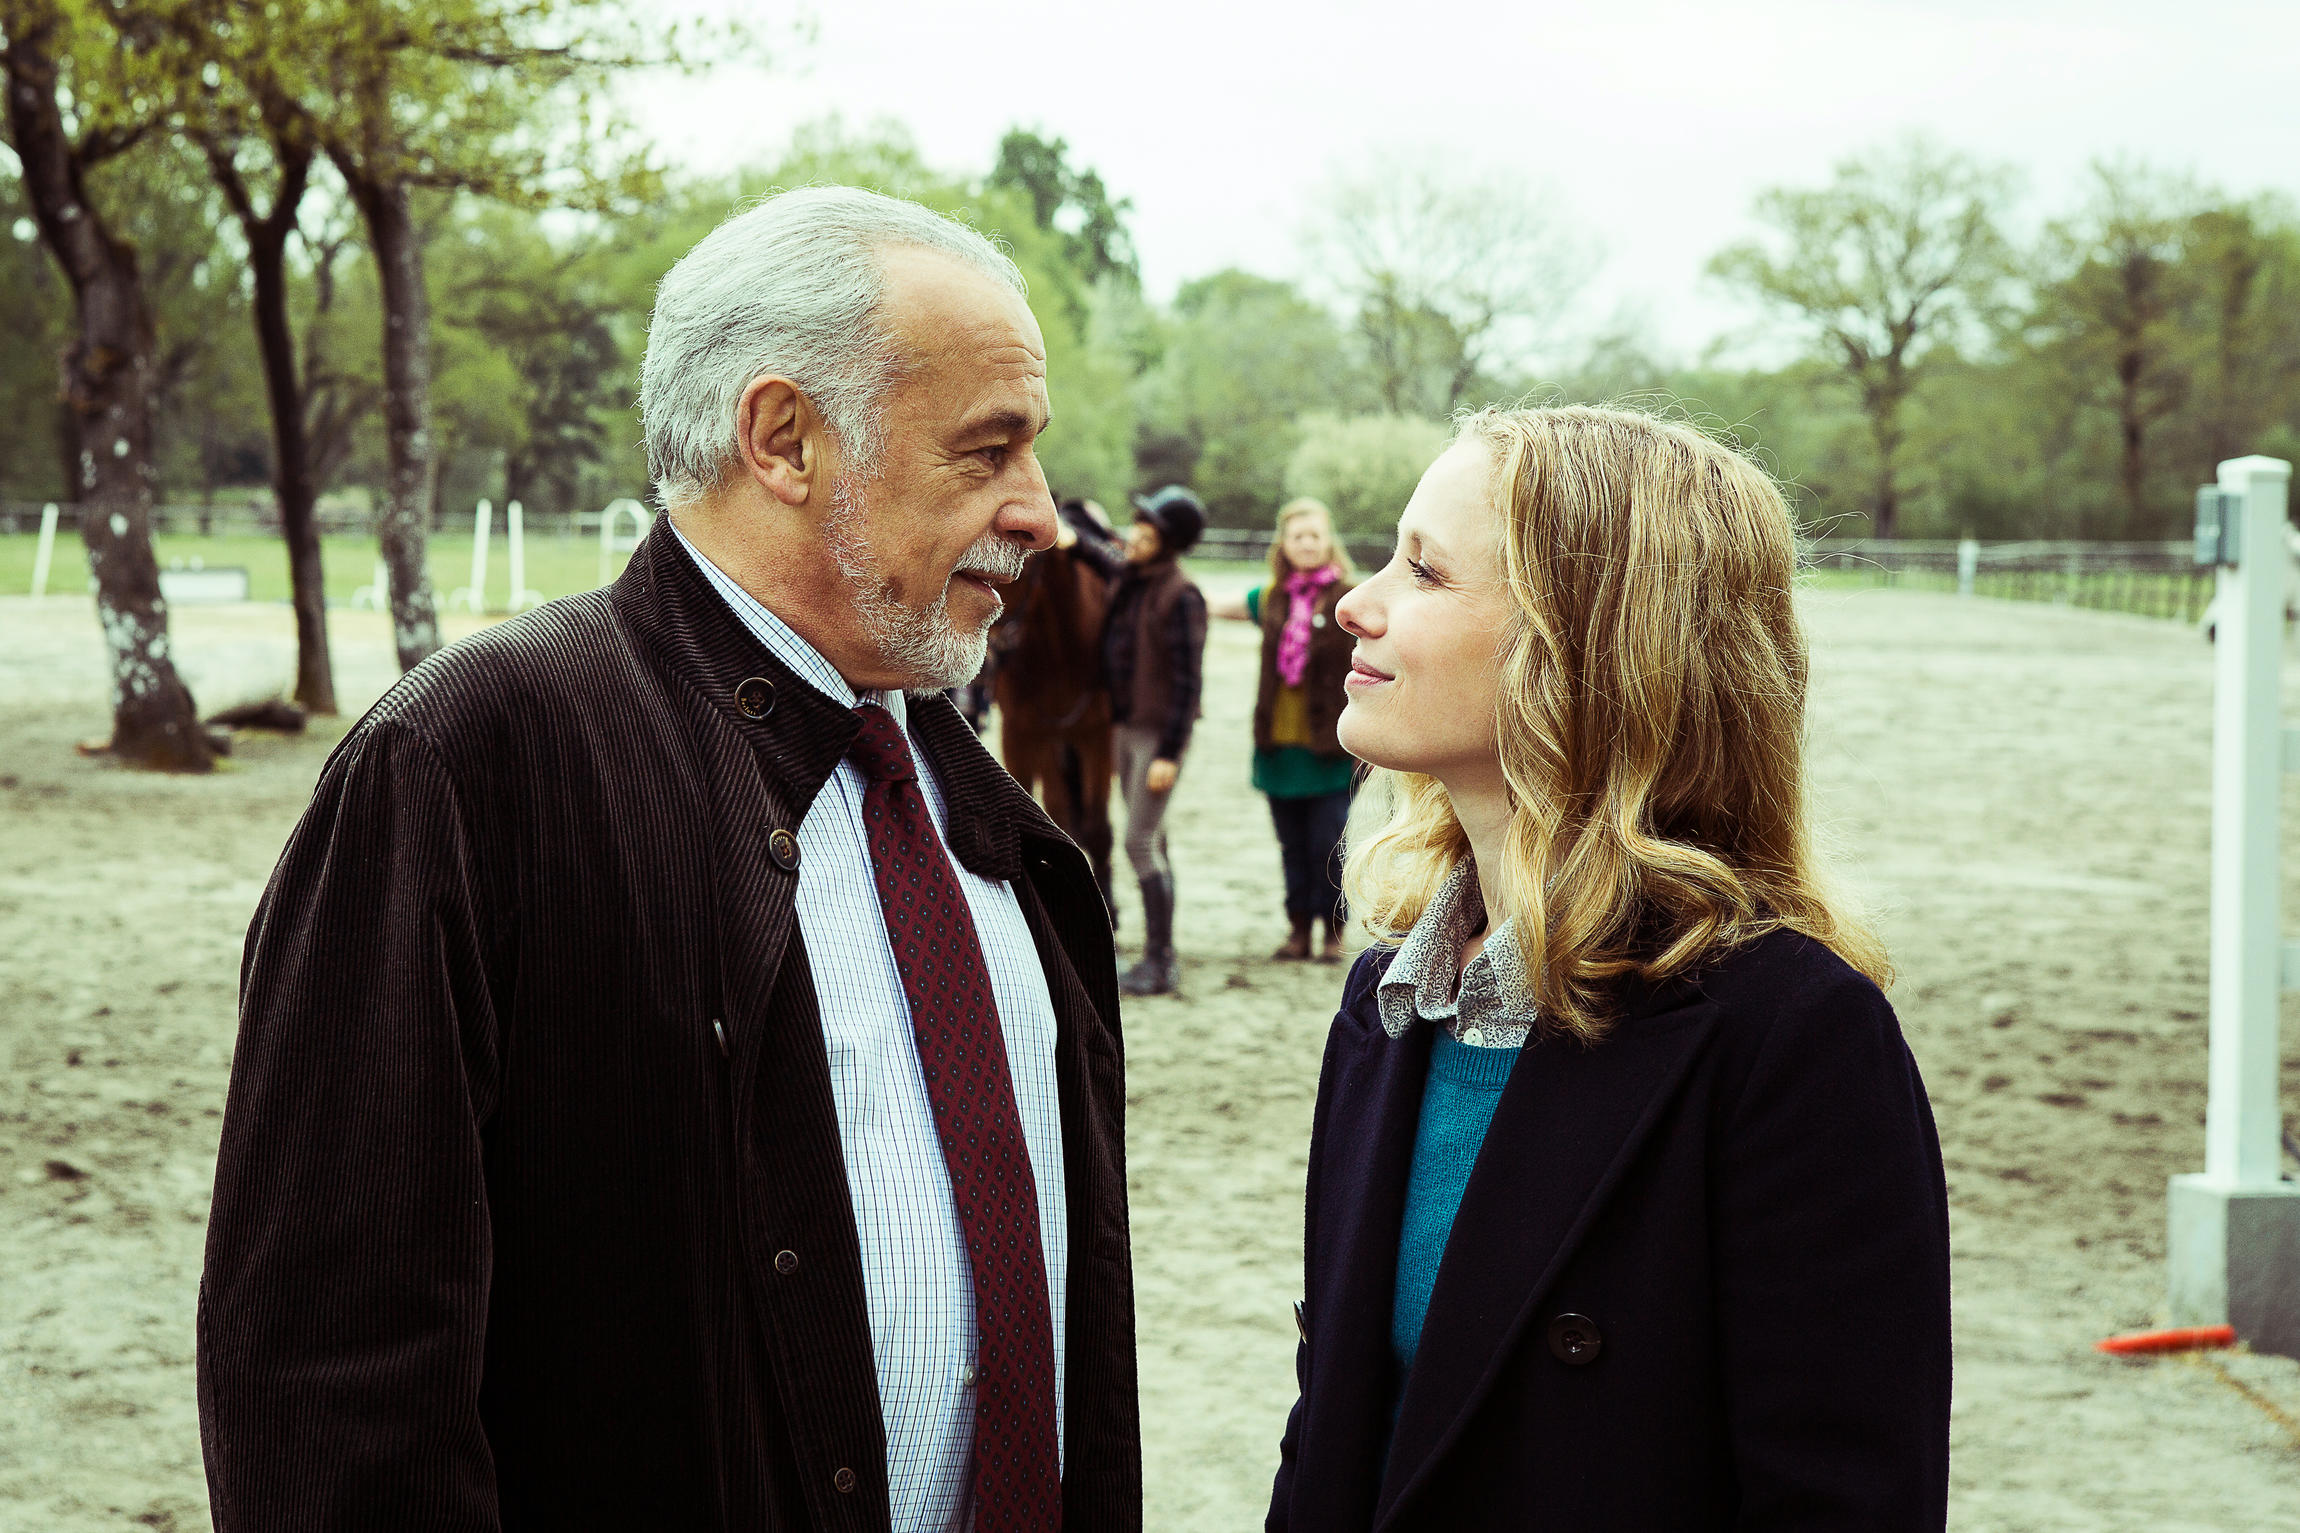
[(1364, 1150), (1567, 1126)]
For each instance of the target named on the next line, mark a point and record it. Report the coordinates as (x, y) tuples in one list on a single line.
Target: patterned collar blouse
[(1493, 1007)]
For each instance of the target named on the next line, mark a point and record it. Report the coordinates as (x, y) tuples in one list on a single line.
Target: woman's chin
[(1363, 739)]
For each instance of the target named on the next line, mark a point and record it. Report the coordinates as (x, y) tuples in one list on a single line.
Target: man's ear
[(782, 439)]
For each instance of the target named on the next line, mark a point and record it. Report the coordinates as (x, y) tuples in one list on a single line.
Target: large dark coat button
[(786, 1262), (783, 848), (755, 697), (1575, 1340), (844, 1480)]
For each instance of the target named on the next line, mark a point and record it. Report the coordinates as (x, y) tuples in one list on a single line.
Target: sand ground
[(2021, 790)]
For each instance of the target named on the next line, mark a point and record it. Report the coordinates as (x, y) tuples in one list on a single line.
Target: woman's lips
[(1364, 675)]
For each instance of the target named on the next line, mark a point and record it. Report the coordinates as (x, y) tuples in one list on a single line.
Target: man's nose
[(1030, 519)]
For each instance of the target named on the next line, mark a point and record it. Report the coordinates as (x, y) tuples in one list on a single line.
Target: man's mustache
[(999, 558)]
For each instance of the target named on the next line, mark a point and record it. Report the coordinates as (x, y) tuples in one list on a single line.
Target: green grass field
[(558, 564)]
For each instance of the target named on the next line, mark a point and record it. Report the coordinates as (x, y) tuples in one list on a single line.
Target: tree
[(1070, 202), (504, 98), (1364, 467), (2245, 264), (1245, 357), (1894, 257), (76, 101), (543, 369), (2116, 309), (1454, 279), (247, 116)]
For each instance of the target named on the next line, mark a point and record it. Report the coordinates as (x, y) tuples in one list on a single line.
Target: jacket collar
[(799, 735)]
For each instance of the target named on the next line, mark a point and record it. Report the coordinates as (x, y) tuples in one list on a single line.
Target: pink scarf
[(1302, 591)]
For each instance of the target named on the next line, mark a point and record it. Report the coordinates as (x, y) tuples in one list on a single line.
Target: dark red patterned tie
[(1017, 1469)]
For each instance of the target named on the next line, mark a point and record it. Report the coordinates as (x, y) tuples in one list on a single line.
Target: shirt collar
[(1493, 998), (784, 643)]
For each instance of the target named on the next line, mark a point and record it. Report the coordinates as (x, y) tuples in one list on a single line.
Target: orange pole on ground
[(2187, 1338)]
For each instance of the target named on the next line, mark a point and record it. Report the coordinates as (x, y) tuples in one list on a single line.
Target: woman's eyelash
[(1422, 572)]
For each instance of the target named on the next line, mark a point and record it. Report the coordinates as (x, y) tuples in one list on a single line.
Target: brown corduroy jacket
[(530, 1211)]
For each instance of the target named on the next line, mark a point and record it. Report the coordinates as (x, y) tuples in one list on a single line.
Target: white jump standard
[(2233, 1244)]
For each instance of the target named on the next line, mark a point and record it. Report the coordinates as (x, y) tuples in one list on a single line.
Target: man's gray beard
[(924, 647)]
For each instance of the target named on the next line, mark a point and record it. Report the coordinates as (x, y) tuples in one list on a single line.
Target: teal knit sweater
[(1458, 1100)]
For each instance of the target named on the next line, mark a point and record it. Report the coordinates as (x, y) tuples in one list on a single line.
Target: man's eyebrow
[(1003, 423)]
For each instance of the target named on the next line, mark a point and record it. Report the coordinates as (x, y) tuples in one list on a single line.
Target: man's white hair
[(789, 286)]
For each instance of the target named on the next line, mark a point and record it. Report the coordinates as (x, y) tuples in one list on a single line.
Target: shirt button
[(845, 1481), (966, 1375), (786, 1262), (1473, 1037)]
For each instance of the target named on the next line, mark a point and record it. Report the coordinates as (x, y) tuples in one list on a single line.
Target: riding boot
[(1156, 973), (1331, 951), (1296, 946)]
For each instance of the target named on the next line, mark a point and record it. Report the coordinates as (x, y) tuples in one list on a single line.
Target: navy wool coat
[(530, 1211), (1699, 1279)]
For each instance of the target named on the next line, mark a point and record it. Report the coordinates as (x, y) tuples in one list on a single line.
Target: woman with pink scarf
[(1297, 761)]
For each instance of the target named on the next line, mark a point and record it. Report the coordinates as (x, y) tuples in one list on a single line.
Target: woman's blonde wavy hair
[(1651, 719)]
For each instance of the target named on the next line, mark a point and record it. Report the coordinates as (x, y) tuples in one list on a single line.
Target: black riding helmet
[(1178, 515)]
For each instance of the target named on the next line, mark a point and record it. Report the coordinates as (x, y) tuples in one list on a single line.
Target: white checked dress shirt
[(915, 1271)]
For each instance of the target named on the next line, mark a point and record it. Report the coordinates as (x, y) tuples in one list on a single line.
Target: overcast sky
[(1653, 122)]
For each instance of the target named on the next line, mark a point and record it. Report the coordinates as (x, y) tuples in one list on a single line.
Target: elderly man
[(679, 1081)]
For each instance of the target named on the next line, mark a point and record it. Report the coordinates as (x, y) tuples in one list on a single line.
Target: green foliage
[(1364, 467), (1069, 201), (1244, 359)]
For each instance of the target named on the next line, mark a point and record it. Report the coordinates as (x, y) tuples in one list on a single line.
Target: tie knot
[(880, 752)]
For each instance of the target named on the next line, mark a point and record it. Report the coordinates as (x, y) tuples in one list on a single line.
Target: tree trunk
[(2132, 437), (67, 451), (292, 478), (1885, 499), (405, 518), (106, 385)]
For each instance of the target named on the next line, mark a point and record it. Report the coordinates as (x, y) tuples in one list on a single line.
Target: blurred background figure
[(1153, 662), (1298, 763), (1045, 674)]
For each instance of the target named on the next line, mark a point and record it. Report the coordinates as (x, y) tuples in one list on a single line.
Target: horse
[(1053, 711)]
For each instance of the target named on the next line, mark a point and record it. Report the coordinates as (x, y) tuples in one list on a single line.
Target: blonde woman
[(1625, 1205), (1298, 763)]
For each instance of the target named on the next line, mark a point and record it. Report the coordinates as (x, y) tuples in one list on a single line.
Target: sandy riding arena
[(2022, 790)]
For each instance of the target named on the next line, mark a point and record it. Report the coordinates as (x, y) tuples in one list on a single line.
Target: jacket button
[(783, 849), (786, 1262), (1575, 1340), (845, 1481), (755, 697)]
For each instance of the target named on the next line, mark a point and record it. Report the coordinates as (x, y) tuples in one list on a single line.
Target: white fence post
[(2234, 1232), (45, 554), (474, 595), (609, 544), (1968, 564), (521, 597), (377, 595)]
